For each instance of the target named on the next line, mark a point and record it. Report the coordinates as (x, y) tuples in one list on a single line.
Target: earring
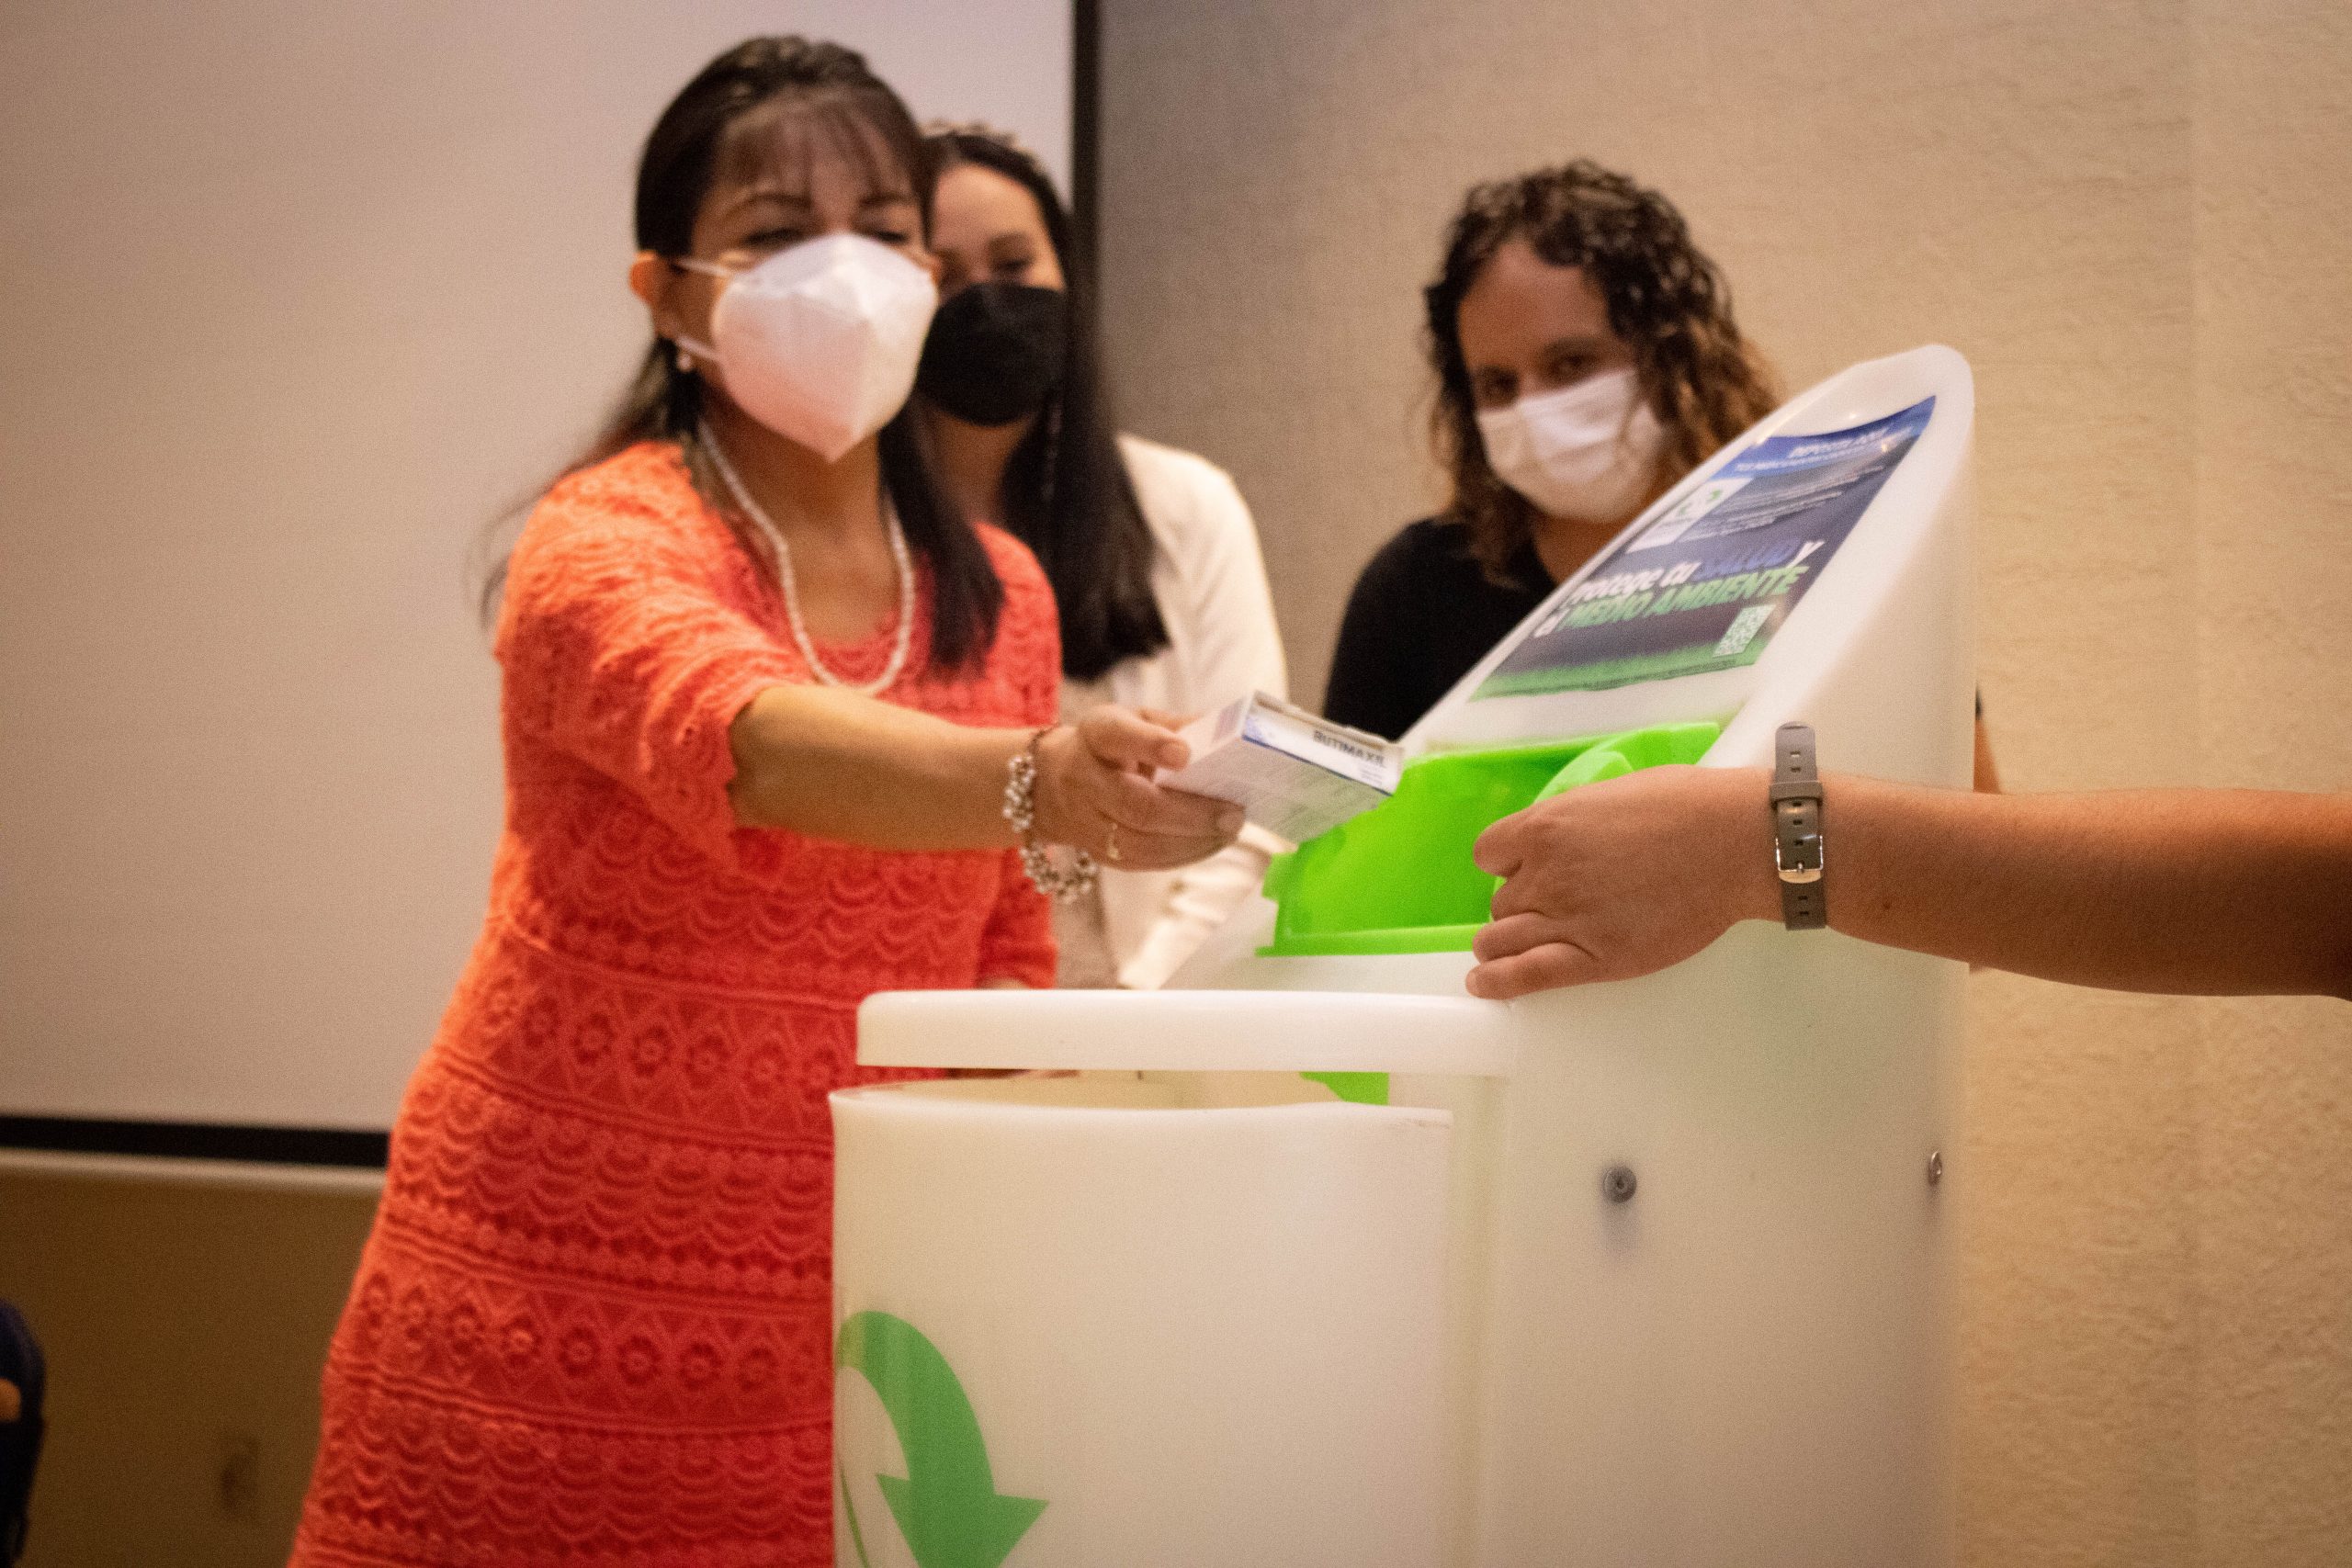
[(686, 363)]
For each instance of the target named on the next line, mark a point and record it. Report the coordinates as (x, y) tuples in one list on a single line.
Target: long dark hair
[(1665, 300), (857, 114), (1067, 492)]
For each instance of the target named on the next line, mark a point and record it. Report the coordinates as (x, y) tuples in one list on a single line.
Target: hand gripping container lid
[(1400, 878)]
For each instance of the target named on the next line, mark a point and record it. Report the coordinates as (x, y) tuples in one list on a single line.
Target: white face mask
[(819, 342), (1588, 452)]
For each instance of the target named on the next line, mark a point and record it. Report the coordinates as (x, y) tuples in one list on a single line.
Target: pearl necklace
[(775, 535)]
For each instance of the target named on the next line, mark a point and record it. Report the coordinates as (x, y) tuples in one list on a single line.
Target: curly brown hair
[(1665, 299)]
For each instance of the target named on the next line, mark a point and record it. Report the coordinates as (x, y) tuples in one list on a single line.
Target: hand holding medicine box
[(1295, 774)]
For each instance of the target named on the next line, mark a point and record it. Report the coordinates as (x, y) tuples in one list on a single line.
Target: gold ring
[(1111, 843)]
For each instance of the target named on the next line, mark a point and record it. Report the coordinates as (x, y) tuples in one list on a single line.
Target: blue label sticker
[(1706, 584)]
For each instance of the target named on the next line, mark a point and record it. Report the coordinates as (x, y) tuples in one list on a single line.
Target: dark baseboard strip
[(197, 1140)]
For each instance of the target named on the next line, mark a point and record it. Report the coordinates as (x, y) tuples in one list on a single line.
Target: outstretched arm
[(2209, 891), (843, 766)]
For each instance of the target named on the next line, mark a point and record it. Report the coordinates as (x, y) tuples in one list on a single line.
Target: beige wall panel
[(2274, 316), (185, 1326), (2274, 1257), (2077, 1410)]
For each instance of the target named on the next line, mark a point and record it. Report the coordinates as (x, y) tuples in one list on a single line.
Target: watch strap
[(1797, 856)]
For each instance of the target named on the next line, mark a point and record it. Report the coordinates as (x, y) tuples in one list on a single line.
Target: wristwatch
[(1796, 829)]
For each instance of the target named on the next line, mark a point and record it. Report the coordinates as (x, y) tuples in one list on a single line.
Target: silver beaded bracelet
[(1060, 882)]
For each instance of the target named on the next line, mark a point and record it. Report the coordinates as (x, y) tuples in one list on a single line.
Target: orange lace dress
[(592, 1325)]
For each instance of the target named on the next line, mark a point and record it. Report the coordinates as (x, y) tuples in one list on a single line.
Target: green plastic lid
[(1399, 877)]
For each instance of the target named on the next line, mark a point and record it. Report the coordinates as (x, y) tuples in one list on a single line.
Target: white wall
[(300, 296)]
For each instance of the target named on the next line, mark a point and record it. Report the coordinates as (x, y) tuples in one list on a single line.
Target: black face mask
[(995, 351)]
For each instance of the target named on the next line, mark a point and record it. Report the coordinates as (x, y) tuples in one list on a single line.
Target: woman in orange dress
[(778, 731)]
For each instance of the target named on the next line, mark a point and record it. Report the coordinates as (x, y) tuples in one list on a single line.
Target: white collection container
[(1197, 1335), (1652, 1272)]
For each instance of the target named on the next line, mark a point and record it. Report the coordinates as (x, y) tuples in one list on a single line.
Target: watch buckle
[(1800, 872)]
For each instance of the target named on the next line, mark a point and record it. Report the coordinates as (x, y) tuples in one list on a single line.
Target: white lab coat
[(1210, 582)]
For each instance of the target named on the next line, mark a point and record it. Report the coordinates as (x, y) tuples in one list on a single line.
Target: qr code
[(1743, 629)]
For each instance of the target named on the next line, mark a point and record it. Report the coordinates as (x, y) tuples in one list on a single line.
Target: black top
[(1421, 615)]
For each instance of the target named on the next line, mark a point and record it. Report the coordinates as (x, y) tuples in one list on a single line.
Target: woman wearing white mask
[(1586, 360), (1151, 551), (779, 733)]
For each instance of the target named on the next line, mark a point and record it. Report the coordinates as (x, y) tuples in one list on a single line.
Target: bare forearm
[(843, 766), (2212, 891), (840, 766)]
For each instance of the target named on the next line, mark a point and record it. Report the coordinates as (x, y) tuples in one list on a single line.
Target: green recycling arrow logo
[(946, 1505)]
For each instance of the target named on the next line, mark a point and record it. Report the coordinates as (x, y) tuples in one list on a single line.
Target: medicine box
[(1294, 774)]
